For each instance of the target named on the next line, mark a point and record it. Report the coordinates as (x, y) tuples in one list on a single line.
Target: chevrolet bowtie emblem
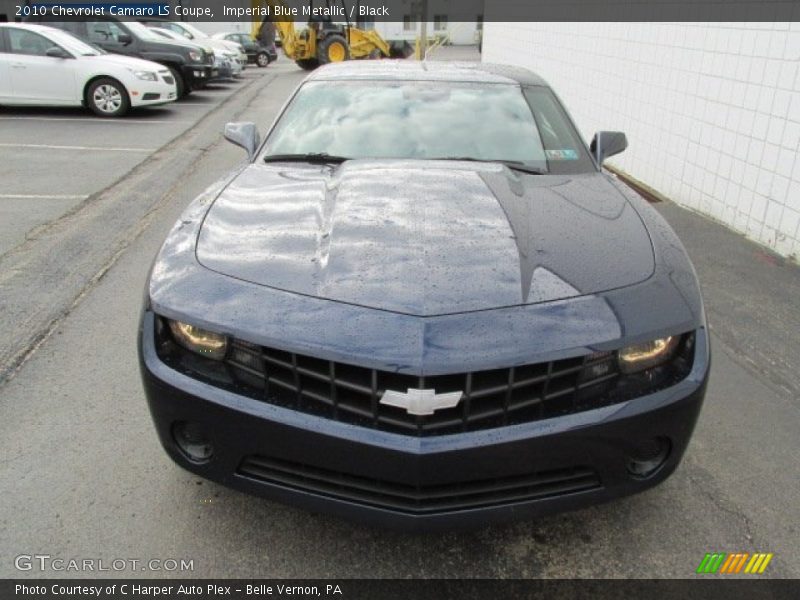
[(421, 402)]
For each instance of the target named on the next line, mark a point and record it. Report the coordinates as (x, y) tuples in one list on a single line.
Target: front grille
[(352, 394), (420, 499), (490, 398)]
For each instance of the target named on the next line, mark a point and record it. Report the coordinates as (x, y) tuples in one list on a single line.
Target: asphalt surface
[(60, 157), (83, 475)]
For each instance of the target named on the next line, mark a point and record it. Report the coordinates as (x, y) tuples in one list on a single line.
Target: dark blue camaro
[(421, 303)]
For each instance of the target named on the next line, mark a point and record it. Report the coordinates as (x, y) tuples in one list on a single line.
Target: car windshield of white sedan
[(416, 120), (143, 32), (74, 45), (195, 31)]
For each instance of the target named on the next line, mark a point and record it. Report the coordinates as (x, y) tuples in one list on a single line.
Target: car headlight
[(200, 341), (195, 56), (639, 357), (145, 75)]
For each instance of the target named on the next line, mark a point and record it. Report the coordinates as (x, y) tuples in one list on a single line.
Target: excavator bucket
[(400, 49)]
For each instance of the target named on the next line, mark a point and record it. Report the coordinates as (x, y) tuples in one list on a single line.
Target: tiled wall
[(711, 110)]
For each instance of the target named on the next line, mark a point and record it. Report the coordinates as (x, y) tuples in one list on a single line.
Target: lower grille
[(151, 96), (423, 499)]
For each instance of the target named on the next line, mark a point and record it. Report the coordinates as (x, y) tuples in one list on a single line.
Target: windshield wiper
[(311, 157), (516, 165)]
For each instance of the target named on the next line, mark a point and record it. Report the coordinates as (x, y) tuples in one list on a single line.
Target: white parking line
[(46, 196), (97, 148), (91, 120)]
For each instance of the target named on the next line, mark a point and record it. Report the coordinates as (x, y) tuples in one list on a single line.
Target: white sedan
[(228, 48), (43, 66)]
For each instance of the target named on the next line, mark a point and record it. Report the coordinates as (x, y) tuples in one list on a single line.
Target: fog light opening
[(649, 459), (193, 441)]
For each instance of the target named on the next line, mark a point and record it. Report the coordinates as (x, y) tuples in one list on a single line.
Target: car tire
[(333, 48), (307, 64), (262, 59), (181, 89), (107, 97)]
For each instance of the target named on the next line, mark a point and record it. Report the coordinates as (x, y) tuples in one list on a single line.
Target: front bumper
[(147, 93), (197, 75), (224, 70), (419, 483)]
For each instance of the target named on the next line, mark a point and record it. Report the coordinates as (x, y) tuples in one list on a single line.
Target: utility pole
[(423, 32)]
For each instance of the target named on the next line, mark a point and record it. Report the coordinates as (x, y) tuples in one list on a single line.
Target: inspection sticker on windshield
[(566, 154)]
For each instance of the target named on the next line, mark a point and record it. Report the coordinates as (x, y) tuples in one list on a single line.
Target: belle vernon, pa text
[(169, 591)]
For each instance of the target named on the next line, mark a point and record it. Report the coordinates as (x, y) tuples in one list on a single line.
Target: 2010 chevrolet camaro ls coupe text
[(421, 303)]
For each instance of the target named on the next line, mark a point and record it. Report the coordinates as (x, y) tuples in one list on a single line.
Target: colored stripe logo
[(734, 563)]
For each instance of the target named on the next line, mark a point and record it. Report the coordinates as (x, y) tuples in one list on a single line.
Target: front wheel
[(262, 60), (181, 89), (108, 98)]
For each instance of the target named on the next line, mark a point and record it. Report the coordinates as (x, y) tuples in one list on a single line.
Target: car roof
[(32, 27), (414, 70)]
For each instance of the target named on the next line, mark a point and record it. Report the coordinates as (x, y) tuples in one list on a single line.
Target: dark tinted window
[(101, 32), (563, 146)]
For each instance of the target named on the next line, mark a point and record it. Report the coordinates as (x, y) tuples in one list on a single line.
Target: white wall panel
[(711, 110)]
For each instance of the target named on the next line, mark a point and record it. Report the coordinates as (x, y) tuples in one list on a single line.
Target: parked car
[(226, 64), (192, 68), (44, 66), (256, 53), (231, 50), (421, 302)]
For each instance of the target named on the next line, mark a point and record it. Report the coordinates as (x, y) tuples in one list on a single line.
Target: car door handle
[(17, 65)]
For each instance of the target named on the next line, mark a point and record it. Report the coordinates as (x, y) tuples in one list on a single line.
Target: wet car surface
[(424, 340)]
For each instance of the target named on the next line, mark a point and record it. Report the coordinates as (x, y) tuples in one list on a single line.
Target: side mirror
[(57, 52), (124, 38), (607, 143), (244, 134)]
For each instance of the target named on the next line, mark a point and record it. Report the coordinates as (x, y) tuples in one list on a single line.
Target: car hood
[(130, 62), (425, 238), (221, 46)]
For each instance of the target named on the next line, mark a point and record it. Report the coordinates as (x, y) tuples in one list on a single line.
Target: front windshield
[(143, 32), (194, 31), (73, 44), (426, 120)]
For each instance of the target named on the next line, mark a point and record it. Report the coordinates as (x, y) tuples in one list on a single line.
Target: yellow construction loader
[(326, 39)]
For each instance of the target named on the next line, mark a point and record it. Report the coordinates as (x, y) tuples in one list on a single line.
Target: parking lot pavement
[(60, 157), (86, 205), (83, 474)]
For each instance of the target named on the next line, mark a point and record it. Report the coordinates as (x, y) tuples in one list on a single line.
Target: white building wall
[(711, 110), (460, 32), (212, 27)]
